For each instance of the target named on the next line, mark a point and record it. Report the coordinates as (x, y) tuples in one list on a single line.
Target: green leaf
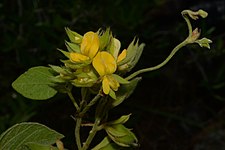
[(35, 146), (121, 135), (120, 79), (18, 136), (125, 91), (121, 120), (36, 83)]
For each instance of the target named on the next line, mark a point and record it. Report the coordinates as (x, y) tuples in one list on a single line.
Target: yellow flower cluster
[(103, 61), (95, 59)]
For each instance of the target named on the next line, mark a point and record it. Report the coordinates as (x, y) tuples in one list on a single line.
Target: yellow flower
[(88, 48), (105, 64), (109, 82)]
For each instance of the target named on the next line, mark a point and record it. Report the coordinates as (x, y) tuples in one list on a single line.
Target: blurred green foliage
[(172, 107)]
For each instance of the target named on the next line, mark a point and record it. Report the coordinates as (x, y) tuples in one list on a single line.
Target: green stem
[(77, 132), (73, 100), (91, 103), (185, 42), (92, 134), (100, 110), (184, 14)]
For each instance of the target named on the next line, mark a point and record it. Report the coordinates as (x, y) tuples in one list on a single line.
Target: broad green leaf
[(16, 137), (121, 135), (123, 119), (35, 146), (125, 91), (36, 83)]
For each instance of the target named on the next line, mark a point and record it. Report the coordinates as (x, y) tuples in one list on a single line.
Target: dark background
[(180, 106)]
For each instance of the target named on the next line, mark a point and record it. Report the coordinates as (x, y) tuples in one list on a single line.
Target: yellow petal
[(113, 83), (98, 65), (90, 44), (105, 85), (104, 63), (122, 55), (76, 57)]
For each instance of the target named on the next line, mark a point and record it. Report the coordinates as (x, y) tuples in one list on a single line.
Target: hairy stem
[(91, 103), (73, 100), (77, 132), (92, 134)]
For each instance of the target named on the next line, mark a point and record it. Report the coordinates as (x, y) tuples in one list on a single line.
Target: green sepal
[(134, 52), (60, 70), (204, 42), (84, 79), (111, 130), (131, 52), (114, 47), (72, 47), (135, 60), (120, 79), (112, 94), (65, 53), (104, 38), (121, 135), (123, 119), (106, 144), (75, 65), (73, 36), (103, 144), (124, 91)]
